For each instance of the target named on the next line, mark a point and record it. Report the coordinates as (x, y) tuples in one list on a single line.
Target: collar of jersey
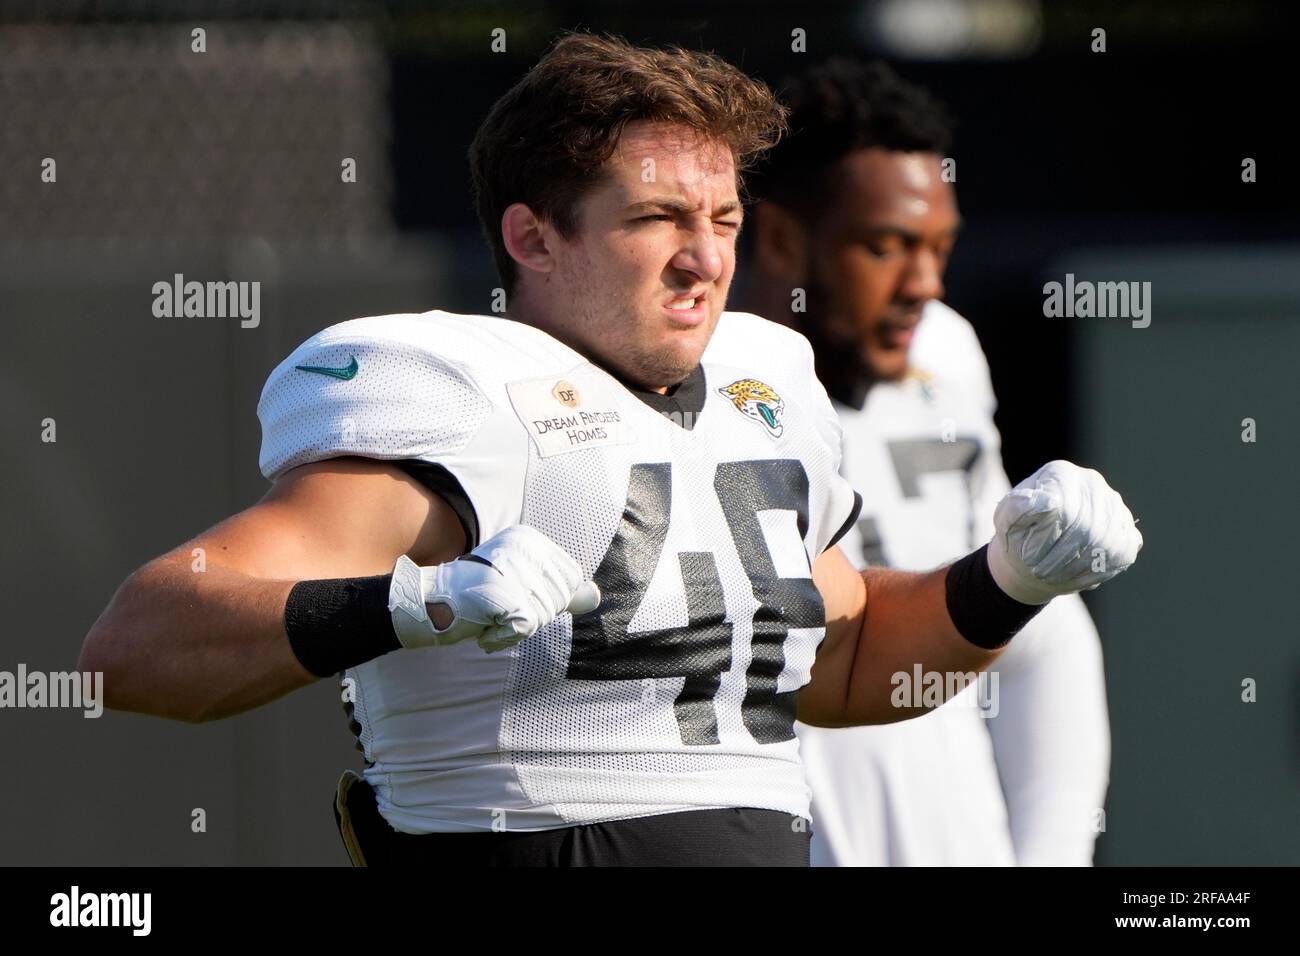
[(684, 401), (686, 398)]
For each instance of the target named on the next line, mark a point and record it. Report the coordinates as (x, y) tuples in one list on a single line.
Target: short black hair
[(838, 107)]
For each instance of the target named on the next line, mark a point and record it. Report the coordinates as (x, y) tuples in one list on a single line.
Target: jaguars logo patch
[(757, 402), (925, 380)]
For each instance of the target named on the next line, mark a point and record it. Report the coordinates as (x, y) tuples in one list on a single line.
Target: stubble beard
[(637, 362), (622, 351)]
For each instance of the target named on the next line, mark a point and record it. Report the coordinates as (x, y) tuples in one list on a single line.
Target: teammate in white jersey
[(859, 215), (579, 560)]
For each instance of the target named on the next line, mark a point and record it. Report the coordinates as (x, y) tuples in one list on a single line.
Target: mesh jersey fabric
[(679, 692)]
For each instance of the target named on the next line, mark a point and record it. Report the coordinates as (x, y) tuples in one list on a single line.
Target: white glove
[(506, 589), (1061, 530)]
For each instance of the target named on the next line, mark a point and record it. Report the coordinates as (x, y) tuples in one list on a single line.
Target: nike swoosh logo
[(345, 373)]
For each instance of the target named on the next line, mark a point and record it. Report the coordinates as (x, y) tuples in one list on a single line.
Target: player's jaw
[(867, 335), (676, 332), (890, 338)]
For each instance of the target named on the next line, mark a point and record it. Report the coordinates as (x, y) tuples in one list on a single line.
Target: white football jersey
[(925, 454), (679, 691)]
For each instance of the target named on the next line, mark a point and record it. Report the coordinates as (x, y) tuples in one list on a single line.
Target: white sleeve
[(346, 393), (399, 401), (1051, 736)]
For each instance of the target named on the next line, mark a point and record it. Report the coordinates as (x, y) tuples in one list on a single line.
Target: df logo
[(566, 394)]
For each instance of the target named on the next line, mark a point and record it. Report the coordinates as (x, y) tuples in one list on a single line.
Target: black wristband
[(337, 623), (980, 610)]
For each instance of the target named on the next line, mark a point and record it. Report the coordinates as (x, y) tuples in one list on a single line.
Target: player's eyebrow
[(680, 206)]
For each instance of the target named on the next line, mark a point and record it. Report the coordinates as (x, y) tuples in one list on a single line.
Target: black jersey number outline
[(700, 652)]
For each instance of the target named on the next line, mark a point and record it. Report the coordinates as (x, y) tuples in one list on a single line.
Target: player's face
[(647, 275), (880, 252)]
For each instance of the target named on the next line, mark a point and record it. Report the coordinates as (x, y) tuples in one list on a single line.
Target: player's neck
[(847, 379), (848, 386)]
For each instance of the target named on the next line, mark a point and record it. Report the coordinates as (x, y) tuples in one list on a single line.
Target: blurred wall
[(157, 439), (1199, 776)]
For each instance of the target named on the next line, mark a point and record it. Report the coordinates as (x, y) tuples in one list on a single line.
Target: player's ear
[(527, 239), (780, 242)]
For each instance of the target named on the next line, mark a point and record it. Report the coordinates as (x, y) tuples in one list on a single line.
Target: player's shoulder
[(455, 338), (947, 350), (747, 340), (394, 386), (479, 350), (945, 341), (758, 351)]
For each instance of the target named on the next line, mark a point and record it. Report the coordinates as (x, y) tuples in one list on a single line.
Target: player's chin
[(689, 343), (687, 337), (676, 365), (887, 364), (675, 357)]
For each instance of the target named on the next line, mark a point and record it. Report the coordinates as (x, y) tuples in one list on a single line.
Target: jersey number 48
[(604, 648)]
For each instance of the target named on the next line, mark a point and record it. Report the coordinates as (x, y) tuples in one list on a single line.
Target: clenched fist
[(506, 589), (1061, 530)]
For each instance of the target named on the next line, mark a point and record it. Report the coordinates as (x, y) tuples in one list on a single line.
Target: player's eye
[(659, 217), (884, 246)]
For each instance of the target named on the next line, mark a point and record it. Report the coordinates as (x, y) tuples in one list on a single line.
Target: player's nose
[(924, 277), (701, 254)]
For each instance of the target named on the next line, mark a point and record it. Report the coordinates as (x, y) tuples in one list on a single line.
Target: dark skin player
[(877, 256)]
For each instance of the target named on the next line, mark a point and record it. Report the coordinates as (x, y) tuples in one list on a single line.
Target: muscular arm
[(201, 645), (879, 622)]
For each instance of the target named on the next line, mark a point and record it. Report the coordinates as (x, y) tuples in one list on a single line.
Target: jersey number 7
[(700, 652)]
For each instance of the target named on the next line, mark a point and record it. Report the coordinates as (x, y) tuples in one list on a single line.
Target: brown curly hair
[(544, 142)]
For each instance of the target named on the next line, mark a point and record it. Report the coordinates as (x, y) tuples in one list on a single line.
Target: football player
[(859, 216), (578, 561)]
